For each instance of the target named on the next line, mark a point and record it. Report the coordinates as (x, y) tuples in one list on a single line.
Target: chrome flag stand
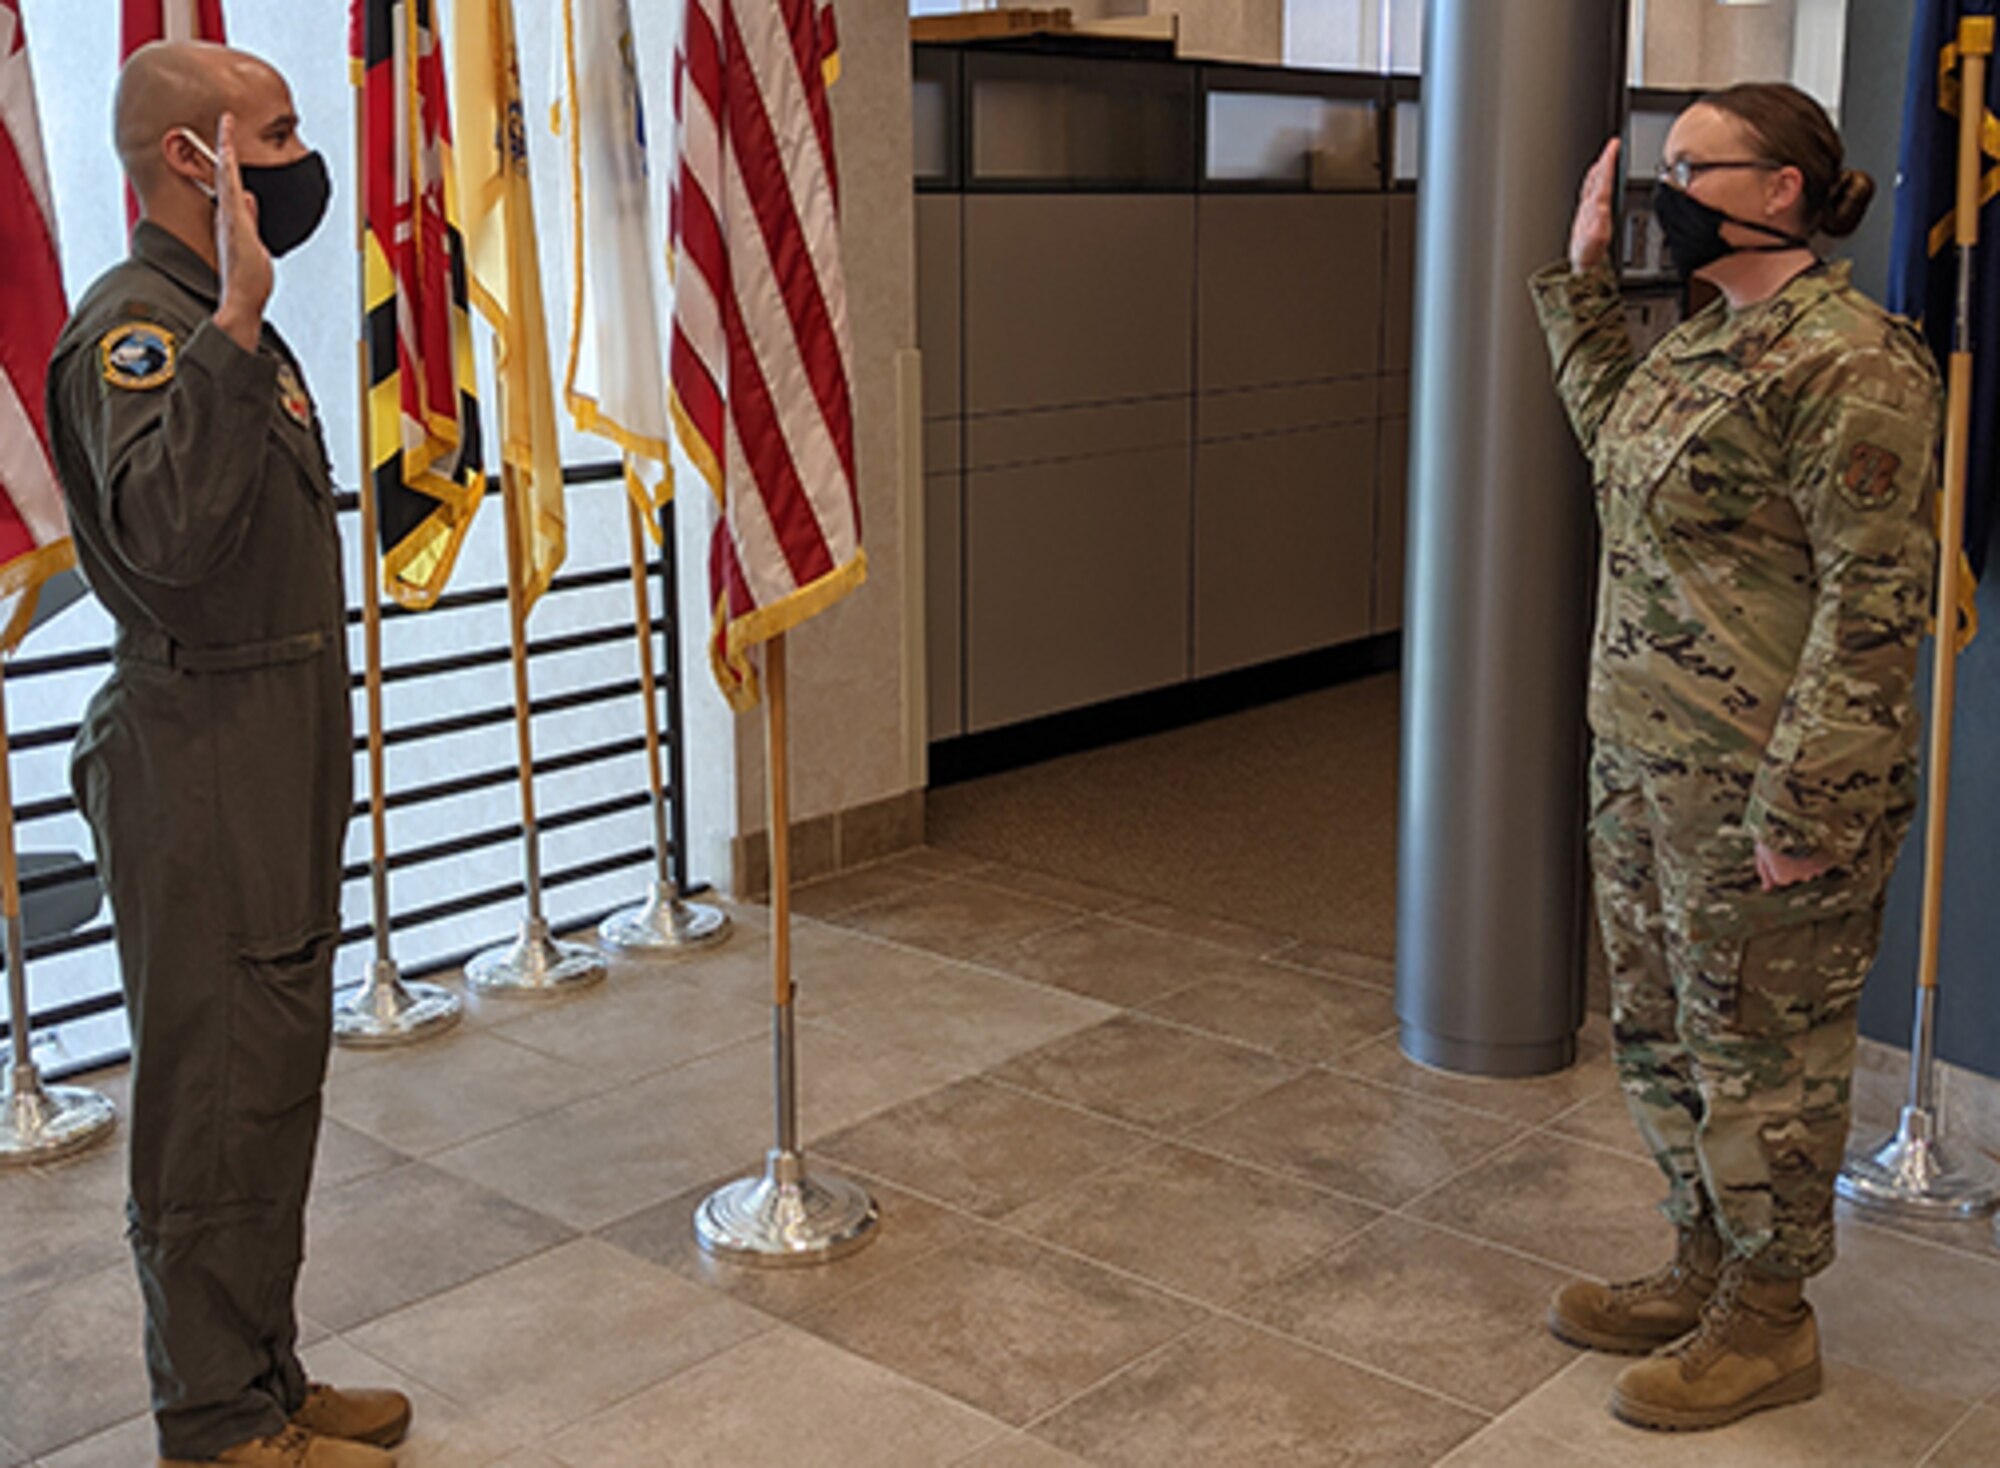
[(785, 1215), (1912, 1170)]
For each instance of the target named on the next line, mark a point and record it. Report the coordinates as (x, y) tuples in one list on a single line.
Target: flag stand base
[(786, 1216), (41, 1123), (385, 1011), (534, 964), (666, 923), (1915, 1172)]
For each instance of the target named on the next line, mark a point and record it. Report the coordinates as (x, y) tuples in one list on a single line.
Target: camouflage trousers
[(1733, 1009)]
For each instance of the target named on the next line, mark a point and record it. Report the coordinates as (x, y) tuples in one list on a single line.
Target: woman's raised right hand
[(1596, 217)]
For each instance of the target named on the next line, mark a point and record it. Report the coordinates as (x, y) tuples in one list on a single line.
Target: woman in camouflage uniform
[(1765, 479)]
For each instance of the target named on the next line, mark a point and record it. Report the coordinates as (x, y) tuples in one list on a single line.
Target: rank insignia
[(292, 396), (137, 355), (1869, 480)]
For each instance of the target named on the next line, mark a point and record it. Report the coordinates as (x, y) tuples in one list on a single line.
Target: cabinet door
[(1284, 547), (940, 298), (1391, 537), (1076, 583), (944, 603)]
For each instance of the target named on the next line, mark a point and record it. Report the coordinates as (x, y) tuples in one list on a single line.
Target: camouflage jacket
[(1765, 484)]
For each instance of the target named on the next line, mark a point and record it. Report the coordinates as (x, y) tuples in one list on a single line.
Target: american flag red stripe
[(144, 21), (34, 532), (760, 359)]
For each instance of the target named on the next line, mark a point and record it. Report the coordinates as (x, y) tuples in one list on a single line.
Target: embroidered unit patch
[(137, 355), (292, 396), (1869, 481)]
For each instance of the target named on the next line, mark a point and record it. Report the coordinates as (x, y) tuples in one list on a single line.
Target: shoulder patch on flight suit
[(1868, 482), (137, 355), (292, 396)]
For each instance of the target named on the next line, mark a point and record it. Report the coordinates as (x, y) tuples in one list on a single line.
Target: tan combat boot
[(296, 1448), (1757, 1347), (1637, 1316), (364, 1415)]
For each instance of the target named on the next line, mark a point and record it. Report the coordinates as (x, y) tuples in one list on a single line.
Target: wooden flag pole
[(534, 964), (384, 1010), (38, 1122), (786, 1215), (666, 921), (1913, 1171)]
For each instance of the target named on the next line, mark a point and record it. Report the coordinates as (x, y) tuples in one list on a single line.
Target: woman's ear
[(1786, 191)]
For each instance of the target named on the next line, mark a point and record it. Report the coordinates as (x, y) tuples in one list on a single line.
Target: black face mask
[(1693, 231), (291, 197)]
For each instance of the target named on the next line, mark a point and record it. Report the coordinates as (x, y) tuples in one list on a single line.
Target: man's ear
[(182, 157)]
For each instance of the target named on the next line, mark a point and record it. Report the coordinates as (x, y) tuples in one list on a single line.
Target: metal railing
[(455, 826)]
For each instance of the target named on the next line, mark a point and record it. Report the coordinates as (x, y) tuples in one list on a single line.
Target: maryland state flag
[(1924, 262), (615, 384), (422, 417), (505, 272), (759, 361), (34, 532)]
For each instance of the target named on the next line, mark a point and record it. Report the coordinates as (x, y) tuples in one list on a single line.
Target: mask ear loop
[(207, 152)]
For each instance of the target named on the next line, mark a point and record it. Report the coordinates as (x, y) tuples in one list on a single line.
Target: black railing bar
[(502, 713), (598, 471), (498, 835), (500, 775), (488, 656), (59, 662), (63, 1014), (492, 896), (82, 871), (481, 596)]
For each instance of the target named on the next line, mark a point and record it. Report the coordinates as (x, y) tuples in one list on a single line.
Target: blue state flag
[(1923, 268)]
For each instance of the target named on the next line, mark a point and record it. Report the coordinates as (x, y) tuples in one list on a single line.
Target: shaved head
[(190, 84)]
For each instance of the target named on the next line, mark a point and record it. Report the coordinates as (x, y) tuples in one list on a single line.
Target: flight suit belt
[(160, 650)]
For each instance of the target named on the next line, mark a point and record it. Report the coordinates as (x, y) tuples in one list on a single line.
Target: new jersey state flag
[(759, 364), (615, 382)]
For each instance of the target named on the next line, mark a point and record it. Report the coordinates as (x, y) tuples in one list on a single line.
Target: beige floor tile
[(443, 1434), (1859, 1421), (967, 1019), (1364, 968), (1293, 1012), (843, 893), (1460, 1318), (1205, 928), (958, 919), (939, 861), (72, 1366), (777, 1401), (836, 968), (1106, 958), (1018, 1450), (1604, 1120), (981, 1147), (1003, 1324), (1578, 1206), (380, 1243), (548, 1342), (1506, 1444), (1974, 1443), (1363, 1140), (347, 1156), (1059, 890), (642, 1026), (1228, 1395), (1973, 1236), (130, 1444), (450, 1090), (909, 1229), (1194, 1223), (1146, 1073), (1533, 1099), (61, 1222), (12, 1456), (609, 1156), (1911, 1312)]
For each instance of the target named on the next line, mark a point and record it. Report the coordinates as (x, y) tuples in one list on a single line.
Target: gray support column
[(1518, 97)]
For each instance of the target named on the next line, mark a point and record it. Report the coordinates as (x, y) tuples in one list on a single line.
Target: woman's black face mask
[(1693, 231)]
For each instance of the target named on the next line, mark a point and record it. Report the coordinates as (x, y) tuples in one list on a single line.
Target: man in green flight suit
[(215, 763)]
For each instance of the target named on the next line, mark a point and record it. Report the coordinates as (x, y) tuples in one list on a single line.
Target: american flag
[(144, 21), (759, 362), (34, 532)]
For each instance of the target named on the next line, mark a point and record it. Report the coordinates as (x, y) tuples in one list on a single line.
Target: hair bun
[(1847, 202)]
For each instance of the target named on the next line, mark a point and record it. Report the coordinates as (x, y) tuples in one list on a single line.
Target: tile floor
[(1157, 1191)]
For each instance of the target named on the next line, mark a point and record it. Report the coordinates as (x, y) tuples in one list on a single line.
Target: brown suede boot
[(1637, 1316), (296, 1448), (1757, 1347), (364, 1415)]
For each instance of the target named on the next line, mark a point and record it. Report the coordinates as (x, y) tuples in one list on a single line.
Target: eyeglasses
[(1684, 171)]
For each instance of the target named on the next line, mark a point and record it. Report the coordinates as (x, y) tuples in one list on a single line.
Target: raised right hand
[(241, 259), (1596, 217)]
